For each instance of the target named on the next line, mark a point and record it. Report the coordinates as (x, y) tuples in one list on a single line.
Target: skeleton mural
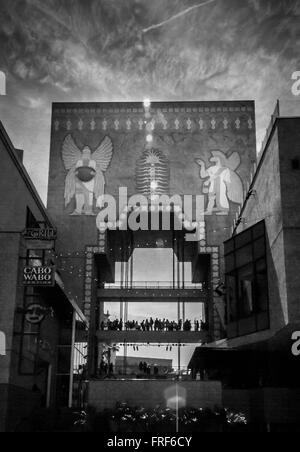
[(152, 173), (222, 183), (85, 179)]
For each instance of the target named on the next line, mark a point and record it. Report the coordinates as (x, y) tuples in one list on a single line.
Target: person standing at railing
[(151, 324), (147, 325)]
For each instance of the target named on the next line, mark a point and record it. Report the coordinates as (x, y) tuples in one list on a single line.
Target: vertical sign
[(2, 84)]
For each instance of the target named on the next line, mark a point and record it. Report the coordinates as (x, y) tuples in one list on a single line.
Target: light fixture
[(221, 290), (154, 185), (147, 103), (149, 138)]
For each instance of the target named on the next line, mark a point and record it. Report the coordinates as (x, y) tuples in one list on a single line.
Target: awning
[(211, 358), (60, 284)]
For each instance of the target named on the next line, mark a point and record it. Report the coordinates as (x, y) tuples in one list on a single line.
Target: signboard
[(40, 234), (35, 314), (39, 276)]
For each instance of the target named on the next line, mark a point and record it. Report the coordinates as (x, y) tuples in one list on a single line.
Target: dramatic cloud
[(99, 50)]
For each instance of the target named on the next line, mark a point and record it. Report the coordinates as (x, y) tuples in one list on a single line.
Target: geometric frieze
[(129, 125)]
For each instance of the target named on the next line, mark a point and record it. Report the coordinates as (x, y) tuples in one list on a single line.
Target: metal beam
[(200, 296)]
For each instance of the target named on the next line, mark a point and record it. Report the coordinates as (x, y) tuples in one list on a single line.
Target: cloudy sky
[(103, 50)]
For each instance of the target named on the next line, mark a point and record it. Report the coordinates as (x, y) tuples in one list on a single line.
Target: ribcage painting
[(152, 173)]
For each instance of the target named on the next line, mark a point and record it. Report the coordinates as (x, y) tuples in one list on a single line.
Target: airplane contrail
[(176, 16), (54, 16)]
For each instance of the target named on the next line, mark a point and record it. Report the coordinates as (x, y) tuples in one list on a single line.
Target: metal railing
[(154, 285), (129, 372)]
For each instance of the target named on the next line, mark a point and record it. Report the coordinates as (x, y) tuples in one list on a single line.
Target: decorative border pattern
[(123, 110), (139, 124), (214, 251)]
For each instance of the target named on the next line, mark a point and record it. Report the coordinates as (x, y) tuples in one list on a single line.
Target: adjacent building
[(37, 316), (262, 262)]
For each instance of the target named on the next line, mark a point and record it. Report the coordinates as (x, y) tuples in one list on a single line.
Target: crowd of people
[(154, 325), (106, 368), (146, 369)]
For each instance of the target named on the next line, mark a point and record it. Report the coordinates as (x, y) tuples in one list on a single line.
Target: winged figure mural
[(221, 182), (85, 179)]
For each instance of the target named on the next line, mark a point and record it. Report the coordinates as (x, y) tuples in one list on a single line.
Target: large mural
[(85, 179), (174, 148)]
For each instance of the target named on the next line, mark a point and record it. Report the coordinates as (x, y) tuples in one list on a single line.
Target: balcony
[(149, 290)]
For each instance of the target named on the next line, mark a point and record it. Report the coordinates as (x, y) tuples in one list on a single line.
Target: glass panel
[(244, 256), (231, 298), (140, 360), (230, 262), (246, 278), (261, 286), (153, 265), (259, 230), (259, 248), (243, 239), (195, 312), (229, 246)]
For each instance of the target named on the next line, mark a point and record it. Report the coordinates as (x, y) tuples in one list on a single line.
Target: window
[(247, 282), (35, 258)]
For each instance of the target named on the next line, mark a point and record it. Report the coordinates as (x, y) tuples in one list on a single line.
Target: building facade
[(162, 230), (36, 314), (204, 151)]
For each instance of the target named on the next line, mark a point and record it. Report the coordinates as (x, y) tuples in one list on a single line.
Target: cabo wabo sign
[(39, 276)]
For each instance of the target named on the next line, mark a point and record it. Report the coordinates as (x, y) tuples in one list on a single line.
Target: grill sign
[(40, 234), (38, 276)]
